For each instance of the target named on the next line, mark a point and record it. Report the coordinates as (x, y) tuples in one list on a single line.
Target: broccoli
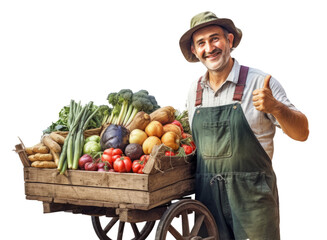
[(154, 102), (124, 99), (127, 104), (104, 112), (113, 100), (140, 102)]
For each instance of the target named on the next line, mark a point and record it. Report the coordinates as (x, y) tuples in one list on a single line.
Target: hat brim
[(186, 40)]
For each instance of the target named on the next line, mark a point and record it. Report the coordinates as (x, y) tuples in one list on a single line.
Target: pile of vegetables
[(126, 151), (126, 104), (132, 123), (78, 121), (62, 124), (46, 153)]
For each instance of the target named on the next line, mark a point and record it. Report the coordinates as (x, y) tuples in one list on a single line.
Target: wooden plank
[(131, 181), (22, 155), (106, 197), (165, 195), (86, 193), (135, 215), (49, 207), (173, 191), (85, 202), (171, 176)]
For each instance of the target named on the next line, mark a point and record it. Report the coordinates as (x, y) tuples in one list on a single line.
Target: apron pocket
[(250, 190), (217, 141)]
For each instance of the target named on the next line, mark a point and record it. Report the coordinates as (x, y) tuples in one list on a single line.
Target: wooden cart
[(115, 200)]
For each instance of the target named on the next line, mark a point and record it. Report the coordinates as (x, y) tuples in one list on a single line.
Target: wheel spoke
[(185, 224), (197, 225), (135, 230), (120, 230), (175, 233), (110, 224)]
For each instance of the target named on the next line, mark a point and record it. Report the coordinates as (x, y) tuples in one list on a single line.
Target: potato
[(32, 158), (56, 157), (57, 138), (51, 144), (40, 148), (44, 156), (44, 164), (40, 157), (29, 150)]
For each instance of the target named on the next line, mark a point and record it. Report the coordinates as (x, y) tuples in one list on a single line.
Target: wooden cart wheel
[(175, 222), (114, 228)]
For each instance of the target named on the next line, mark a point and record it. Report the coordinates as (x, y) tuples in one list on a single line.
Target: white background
[(54, 51)]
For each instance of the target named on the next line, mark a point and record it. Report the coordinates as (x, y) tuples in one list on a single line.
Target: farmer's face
[(212, 48)]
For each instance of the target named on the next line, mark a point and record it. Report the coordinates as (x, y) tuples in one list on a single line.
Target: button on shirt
[(263, 125)]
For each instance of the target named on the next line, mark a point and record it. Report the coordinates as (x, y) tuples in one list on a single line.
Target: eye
[(200, 44)]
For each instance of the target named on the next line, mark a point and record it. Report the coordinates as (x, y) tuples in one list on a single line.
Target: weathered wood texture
[(175, 179)]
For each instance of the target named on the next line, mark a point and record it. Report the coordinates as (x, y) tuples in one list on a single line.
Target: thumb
[(266, 81)]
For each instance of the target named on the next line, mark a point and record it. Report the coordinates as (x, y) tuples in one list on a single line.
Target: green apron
[(234, 176)]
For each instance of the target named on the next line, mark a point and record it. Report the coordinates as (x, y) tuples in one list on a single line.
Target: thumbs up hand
[(263, 100)]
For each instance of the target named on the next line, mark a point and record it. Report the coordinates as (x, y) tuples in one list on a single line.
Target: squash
[(171, 139), (137, 136), (140, 121), (163, 115), (170, 127), (154, 128), (149, 143)]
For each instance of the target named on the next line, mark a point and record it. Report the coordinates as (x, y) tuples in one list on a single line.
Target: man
[(233, 111)]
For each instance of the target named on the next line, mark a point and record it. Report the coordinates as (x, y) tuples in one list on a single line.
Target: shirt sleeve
[(280, 95)]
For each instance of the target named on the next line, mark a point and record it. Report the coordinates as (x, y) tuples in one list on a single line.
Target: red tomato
[(187, 149), (117, 151), (108, 151), (144, 158), (106, 158), (179, 125), (111, 154), (170, 153), (137, 166), (123, 164), (193, 145), (115, 157)]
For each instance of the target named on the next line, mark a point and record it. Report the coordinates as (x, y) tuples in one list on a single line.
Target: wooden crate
[(165, 179)]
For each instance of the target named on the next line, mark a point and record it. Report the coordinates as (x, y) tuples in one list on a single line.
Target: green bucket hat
[(202, 20)]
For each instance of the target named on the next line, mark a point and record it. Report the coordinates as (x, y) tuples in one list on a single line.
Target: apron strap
[(238, 94), (199, 92), (238, 89)]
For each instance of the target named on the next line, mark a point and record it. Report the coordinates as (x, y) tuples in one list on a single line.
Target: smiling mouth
[(212, 55)]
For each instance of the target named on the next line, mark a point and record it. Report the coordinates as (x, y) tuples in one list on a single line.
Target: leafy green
[(62, 124)]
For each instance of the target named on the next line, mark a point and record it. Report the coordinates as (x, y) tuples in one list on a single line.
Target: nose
[(209, 47)]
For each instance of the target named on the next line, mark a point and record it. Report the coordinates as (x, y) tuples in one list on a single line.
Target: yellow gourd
[(154, 128), (171, 139), (137, 136), (149, 143), (170, 127)]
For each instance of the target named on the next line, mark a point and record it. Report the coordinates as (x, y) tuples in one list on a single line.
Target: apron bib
[(234, 176)]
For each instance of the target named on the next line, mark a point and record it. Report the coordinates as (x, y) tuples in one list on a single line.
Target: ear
[(230, 39), (192, 49)]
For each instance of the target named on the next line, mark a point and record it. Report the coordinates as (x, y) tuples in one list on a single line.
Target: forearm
[(292, 122)]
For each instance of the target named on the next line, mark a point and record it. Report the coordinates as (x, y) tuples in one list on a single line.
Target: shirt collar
[(232, 76)]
